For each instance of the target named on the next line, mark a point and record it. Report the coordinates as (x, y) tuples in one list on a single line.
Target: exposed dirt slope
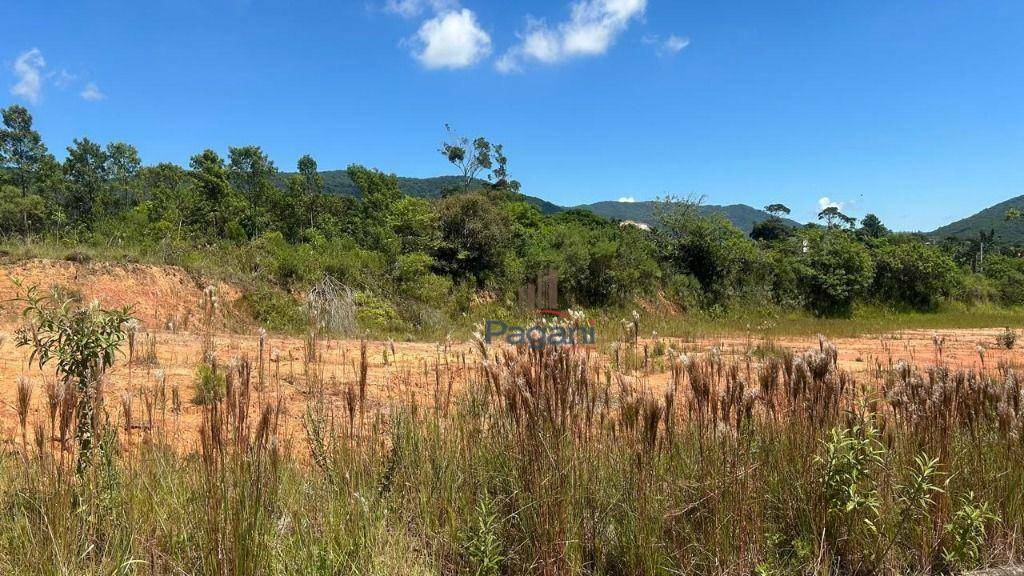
[(160, 295)]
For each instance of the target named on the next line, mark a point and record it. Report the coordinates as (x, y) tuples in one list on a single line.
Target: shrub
[(474, 236), (377, 314), (82, 343), (914, 274), (835, 270), (274, 309), (1007, 338), (413, 279), (974, 288), (351, 265), (271, 256), (712, 250), (210, 385), (78, 257), (966, 533), (684, 290), (1008, 276)]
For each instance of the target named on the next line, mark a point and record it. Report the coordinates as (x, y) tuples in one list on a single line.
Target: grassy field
[(865, 320), (544, 463)]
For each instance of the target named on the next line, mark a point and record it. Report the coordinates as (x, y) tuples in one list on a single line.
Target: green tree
[(251, 174), (474, 237), (778, 210), (86, 171), (722, 259), (474, 158), (499, 177), (380, 196), (122, 169), (774, 228), (470, 157), (771, 230), (21, 147), (312, 186), (910, 272), (19, 212), (832, 217), (835, 269), (413, 221), (172, 198), (872, 227), (210, 179)]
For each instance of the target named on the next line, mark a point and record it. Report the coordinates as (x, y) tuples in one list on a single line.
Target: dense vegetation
[(415, 264)]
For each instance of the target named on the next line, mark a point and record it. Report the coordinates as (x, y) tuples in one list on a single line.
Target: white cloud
[(667, 46), (413, 8), (675, 44), (591, 30), (62, 79), (92, 93), (541, 43), (451, 40), (627, 199), (826, 202), (507, 64), (28, 67)]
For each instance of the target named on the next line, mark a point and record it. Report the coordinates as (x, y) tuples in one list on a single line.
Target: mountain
[(742, 216), (338, 182), (991, 218)]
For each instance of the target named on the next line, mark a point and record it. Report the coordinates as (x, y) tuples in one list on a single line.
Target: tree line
[(416, 262)]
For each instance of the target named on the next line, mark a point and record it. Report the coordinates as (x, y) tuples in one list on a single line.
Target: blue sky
[(913, 110)]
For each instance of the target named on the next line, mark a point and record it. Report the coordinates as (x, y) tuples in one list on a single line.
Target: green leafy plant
[(848, 467), (82, 342), (914, 499), (483, 543), (209, 385), (966, 533), (849, 476)]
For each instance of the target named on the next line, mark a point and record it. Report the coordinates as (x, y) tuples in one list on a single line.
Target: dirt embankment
[(159, 295)]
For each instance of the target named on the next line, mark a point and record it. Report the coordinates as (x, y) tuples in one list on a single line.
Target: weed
[(1007, 339)]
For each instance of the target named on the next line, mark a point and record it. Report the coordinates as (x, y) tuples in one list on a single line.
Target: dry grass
[(549, 461)]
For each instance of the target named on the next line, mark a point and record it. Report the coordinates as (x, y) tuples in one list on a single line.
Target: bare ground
[(166, 300)]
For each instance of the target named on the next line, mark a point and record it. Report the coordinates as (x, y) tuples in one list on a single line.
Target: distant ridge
[(742, 216), (337, 182), (991, 218)]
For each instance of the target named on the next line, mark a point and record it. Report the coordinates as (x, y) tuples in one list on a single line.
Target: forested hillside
[(339, 183), (990, 220)]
